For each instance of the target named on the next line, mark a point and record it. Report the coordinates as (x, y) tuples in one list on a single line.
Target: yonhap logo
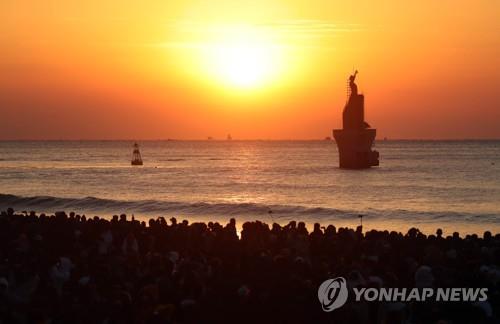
[(332, 294)]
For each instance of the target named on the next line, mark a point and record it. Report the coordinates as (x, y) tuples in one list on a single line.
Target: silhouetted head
[(330, 229), (412, 232)]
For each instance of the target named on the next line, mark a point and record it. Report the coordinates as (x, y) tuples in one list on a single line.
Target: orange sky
[(122, 69)]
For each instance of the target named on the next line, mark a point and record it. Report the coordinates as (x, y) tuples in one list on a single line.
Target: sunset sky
[(261, 69)]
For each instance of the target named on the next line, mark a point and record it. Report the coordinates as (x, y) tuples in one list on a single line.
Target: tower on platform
[(355, 139)]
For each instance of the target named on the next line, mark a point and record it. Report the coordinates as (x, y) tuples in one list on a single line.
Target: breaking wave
[(156, 207)]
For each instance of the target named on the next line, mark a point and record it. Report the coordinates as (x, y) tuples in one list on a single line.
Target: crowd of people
[(68, 268)]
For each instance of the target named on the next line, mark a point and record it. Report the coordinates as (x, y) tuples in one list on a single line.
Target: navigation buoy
[(136, 155)]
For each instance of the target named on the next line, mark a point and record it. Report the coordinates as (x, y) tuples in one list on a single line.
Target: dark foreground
[(72, 269)]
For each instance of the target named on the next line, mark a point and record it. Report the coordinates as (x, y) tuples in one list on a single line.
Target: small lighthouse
[(356, 138), (136, 155)]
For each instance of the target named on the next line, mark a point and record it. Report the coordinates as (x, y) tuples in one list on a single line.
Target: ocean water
[(454, 185)]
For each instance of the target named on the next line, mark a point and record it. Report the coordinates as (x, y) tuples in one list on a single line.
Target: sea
[(452, 185)]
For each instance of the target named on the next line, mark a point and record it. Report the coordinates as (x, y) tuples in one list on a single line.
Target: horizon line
[(236, 139)]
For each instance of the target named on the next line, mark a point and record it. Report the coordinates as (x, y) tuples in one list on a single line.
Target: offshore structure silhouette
[(356, 138)]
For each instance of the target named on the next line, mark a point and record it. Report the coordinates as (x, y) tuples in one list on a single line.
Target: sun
[(243, 64), (243, 58)]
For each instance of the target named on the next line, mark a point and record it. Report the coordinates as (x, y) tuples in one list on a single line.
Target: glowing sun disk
[(244, 60)]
